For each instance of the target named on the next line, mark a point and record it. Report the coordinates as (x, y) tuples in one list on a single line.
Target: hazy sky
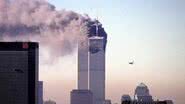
[(151, 32)]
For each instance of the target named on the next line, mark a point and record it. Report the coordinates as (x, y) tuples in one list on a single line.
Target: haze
[(151, 32)]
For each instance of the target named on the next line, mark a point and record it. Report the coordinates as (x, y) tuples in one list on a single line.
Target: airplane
[(131, 62)]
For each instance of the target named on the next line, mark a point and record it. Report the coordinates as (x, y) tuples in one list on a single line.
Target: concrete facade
[(91, 62), (83, 64), (81, 97), (97, 69)]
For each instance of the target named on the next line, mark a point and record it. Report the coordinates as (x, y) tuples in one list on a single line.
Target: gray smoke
[(37, 20)]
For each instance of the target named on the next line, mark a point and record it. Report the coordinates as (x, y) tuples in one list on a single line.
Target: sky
[(150, 32)]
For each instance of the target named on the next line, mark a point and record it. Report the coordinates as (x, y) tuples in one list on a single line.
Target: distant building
[(18, 72), (49, 102), (126, 98), (142, 93), (142, 96), (107, 102), (81, 97), (169, 101), (143, 102), (40, 92)]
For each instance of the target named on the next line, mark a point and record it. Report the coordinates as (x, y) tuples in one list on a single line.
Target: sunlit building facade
[(91, 62), (97, 69)]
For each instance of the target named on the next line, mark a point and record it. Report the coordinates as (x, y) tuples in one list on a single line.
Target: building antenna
[(97, 15), (97, 24), (97, 28)]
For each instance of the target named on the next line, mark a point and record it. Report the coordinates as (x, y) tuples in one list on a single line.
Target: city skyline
[(142, 96), (154, 26), (145, 43)]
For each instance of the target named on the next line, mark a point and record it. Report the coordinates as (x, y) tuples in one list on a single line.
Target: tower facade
[(81, 97), (91, 62), (18, 72), (40, 92), (97, 69), (83, 64)]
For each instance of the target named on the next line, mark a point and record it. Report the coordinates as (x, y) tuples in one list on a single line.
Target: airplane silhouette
[(131, 62)]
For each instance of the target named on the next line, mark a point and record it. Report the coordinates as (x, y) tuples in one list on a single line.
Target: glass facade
[(18, 72)]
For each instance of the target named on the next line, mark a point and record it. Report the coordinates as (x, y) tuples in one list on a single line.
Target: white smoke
[(37, 20)]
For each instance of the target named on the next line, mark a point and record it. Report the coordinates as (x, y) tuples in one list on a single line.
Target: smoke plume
[(36, 20)]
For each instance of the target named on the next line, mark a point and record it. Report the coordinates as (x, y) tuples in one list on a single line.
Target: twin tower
[(91, 63)]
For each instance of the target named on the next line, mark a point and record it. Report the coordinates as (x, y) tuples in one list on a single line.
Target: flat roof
[(81, 91), (96, 37), (18, 46)]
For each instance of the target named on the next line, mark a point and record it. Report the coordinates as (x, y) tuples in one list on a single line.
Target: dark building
[(40, 92), (18, 72), (49, 102), (81, 97), (152, 102), (126, 98), (107, 101)]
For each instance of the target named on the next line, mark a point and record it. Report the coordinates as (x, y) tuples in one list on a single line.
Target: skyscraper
[(83, 64), (81, 97), (49, 102), (107, 102), (91, 62), (40, 92), (18, 72), (97, 69)]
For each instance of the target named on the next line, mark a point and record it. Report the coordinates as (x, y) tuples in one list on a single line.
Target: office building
[(83, 64), (143, 102), (18, 72), (81, 97), (40, 92), (126, 98), (97, 47), (97, 69), (142, 93), (142, 96), (107, 102), (49, 102), (91, 62)]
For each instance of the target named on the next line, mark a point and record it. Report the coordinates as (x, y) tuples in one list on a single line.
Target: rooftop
[(96, 37)]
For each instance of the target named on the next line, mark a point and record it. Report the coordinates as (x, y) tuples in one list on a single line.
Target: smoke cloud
[(36, 20)]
